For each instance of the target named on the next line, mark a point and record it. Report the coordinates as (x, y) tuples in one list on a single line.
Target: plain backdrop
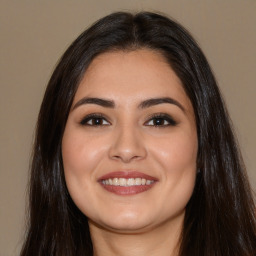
[(34, 34)]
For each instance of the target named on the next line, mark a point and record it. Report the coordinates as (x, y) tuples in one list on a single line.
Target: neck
[(162, 240)]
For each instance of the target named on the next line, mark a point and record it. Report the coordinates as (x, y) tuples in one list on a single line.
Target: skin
[(127, 138)]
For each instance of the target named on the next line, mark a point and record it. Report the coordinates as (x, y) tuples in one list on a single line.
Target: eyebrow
[(144, 104), (156, 101), (98, 101)]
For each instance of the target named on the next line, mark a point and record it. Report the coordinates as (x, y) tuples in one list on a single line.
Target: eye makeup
[(95, 119), (160, 120)]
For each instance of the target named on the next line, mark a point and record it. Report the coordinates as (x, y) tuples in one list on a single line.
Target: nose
[(127, 145)]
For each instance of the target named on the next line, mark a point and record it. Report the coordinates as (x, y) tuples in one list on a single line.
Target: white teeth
[(122, 182), (148, 182), (130, 182), (127, 182), (115, 182), (138, 181)]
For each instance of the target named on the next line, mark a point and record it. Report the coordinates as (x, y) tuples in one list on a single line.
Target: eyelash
[(94, 116), (162, 117)]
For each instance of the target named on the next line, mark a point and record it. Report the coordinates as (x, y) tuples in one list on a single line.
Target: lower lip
[(125, 191)]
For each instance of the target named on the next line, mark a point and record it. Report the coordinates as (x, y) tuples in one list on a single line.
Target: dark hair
[(220, 216)]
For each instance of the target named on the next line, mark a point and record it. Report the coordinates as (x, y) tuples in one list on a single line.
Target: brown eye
[(94, 120), (161, 120), (97, 121), (158, 121)]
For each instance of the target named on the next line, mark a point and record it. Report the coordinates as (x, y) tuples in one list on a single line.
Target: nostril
[(127, 146), (126, 158), (127, 155)]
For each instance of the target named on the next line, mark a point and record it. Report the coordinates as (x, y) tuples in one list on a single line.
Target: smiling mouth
[(123, 182), (127, 183)]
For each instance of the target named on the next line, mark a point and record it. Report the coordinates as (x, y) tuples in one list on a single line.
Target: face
[(130, 143)]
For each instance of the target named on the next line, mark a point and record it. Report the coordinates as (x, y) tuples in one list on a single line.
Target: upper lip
[(127, 175)]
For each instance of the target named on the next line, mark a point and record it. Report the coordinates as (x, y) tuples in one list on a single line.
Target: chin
[(124, 223)]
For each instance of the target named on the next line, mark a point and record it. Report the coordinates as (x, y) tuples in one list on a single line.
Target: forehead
[(131, 76)]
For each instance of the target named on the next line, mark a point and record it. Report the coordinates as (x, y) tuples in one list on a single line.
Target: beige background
[(33, 35)]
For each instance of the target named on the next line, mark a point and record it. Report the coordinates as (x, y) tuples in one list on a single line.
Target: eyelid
[(164, 116), (84, 120)]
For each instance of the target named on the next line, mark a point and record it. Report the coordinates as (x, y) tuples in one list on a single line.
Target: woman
[(134, 153)]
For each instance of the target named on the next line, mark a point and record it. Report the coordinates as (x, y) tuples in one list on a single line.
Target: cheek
[(80, 156), (73, 163), (177, 157), (80, 153), (178, 153), (180, 163)]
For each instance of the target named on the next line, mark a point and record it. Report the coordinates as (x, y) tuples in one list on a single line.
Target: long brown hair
[(220, 216)]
